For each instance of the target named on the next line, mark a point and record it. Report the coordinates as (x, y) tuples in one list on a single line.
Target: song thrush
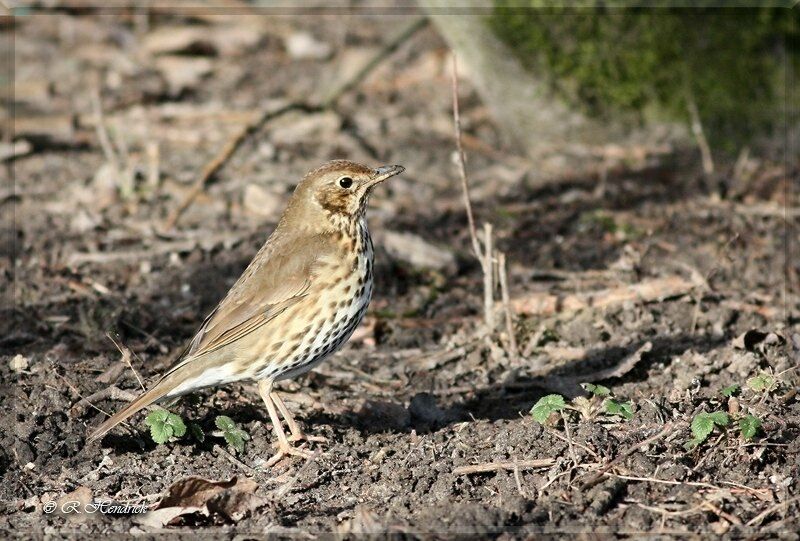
[(298, 301)]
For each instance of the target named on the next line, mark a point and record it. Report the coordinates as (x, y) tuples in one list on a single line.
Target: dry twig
[(259, 120), (657, 289), (513, 351), (495, 466), (390, 47), (669, 427), (485, 256), (222, 157), (126, 358), (113, 392), (462, 170), (699, 134), (761, 516)]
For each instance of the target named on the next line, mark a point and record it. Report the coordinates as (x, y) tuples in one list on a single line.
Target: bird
[(297, 302)]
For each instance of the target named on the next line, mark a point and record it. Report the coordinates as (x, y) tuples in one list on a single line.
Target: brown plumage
[(298, 301)]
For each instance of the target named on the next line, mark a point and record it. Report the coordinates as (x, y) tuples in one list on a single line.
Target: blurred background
[(640, 159)]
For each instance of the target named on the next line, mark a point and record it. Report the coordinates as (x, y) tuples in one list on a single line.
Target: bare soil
[(417, 393)]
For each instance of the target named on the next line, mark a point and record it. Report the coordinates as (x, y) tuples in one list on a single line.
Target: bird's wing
[(279, 276)]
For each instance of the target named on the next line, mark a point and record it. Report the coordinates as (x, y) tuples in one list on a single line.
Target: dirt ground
[(121, 112)]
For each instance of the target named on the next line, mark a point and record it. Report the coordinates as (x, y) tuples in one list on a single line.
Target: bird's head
[(341, 188)]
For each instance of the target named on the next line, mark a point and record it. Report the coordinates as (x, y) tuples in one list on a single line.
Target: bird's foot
[(285, 450), (302, 436)]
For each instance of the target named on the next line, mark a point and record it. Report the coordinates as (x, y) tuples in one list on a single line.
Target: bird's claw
[(284, 450), (302, 436)]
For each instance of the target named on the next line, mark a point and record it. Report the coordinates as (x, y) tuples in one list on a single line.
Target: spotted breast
[(341, 308)]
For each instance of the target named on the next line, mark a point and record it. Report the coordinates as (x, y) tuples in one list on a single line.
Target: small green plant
[(164, 425), (601, 401), (623, 409), (748, 426), (234, 436), (761, 383), (596, 390), (730, 390), (703, 425), (546, 406), (197, 432)]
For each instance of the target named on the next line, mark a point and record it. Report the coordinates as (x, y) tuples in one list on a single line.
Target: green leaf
[(178, 428), (749, 425), (224, 423), (596, 390), (761, 382), (730, 390), (234, 436), (156, 417), (703, 425), (720, 418), (197, 432), (546, 406), (623, 409), (692, 443), (234, 440), (164, 425)]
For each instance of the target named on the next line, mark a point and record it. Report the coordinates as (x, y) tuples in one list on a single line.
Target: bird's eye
[(345, 182)]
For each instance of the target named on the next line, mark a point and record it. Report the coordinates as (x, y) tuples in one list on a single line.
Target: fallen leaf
[(232, 500), (75, 506)]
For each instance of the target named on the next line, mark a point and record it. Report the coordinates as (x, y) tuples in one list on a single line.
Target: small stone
[(299, 128), (183, 72), (417, 252), (261, 202), (302, 45), (18, 363)]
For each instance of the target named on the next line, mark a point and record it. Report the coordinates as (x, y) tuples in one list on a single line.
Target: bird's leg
[(294, 428), (284, 447)]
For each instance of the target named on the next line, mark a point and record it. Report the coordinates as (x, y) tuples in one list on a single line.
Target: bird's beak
[(384, 172)]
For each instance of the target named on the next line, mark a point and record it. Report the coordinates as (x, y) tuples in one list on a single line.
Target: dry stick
[(665, 481), (390, 47), (517, 478), (503, 272), (699, 134), (102, 132), (281, 491), (488, 277), (656, 289), (572, 454), (80, 395), (221, 158), (233, 460), (153, 164), (761, 516), (669, 427), (495, 466), (733, 519), (462, 169), (126, 358), (485, 257), (257, 123), (113, 392)]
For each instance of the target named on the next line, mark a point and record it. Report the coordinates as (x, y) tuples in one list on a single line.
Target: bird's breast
[(337, 303)]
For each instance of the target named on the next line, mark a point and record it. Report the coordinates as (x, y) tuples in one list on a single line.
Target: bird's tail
[(157, 392)]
